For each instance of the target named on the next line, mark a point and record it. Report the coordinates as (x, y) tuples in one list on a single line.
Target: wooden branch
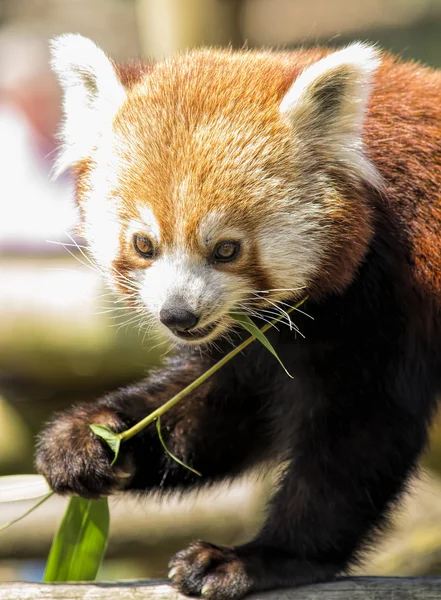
[(358, 588)]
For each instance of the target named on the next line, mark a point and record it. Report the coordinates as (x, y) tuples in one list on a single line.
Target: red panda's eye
[(226, 251), (143, 246)]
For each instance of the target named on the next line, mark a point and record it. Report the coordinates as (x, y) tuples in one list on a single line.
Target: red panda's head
[(219, 180)]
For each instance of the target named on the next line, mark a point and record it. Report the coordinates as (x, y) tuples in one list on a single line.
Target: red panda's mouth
[(194, 335)]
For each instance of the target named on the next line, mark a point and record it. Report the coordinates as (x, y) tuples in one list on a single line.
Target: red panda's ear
[(92, 93), (326, 106)]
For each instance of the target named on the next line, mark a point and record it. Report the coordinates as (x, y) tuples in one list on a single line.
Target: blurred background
[(62, 337)]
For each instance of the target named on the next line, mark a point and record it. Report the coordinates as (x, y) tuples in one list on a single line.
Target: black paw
[(208, 571), (75, 461)]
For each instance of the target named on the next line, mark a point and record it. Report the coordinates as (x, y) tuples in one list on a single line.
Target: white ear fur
[(326, 106), (92, 95)]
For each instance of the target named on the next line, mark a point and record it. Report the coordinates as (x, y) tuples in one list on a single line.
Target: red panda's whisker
[(110, 299), (86, 257), (126, 322), (147, 327), (281, 302), (297, 289), (77, 258), (64, 244), (271, 313), (282, 311), (286, 320), (122, 277), (288, 305), (112, 306), (249, 313), (65, 269), (162, 343), (132, 324), (92, 263), (255, 314), (228, 336), (130, 287), (119, 316), (112, 311), (292, 326), (136, 319)]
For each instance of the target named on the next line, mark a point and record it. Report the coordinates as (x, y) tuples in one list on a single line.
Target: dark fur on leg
[(214, 430)]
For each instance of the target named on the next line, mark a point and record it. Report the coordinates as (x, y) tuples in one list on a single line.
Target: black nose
[(176, 314)]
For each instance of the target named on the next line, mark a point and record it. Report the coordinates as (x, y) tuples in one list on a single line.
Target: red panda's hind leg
[(219, 572)]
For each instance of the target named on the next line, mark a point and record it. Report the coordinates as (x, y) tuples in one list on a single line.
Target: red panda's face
[(213, 185)]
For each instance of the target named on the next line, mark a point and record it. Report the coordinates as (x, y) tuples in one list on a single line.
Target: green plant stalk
[(129, 433)]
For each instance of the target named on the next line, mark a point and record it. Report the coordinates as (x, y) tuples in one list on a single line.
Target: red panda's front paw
[(209, 571), (75, 461)]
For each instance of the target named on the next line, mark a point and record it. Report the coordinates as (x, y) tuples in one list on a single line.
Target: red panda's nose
[(176, 314)]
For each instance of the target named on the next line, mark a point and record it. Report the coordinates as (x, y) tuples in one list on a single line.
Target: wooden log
[(63, 335), (171, 26), (151, 531), (357, 588)]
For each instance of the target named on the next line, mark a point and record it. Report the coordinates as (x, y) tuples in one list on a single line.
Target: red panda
[(221, 180)]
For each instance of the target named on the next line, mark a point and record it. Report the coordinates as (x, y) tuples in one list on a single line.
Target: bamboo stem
[(129, 433)]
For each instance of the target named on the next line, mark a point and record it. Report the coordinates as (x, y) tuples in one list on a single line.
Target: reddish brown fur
[(402, 137), (131, 72), (81, 174), (160, 152)]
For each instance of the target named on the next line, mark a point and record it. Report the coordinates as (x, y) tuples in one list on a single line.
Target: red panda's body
[(221, 180), (403, 137)]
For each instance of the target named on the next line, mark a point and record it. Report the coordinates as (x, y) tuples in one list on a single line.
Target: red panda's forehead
[(199, 138)]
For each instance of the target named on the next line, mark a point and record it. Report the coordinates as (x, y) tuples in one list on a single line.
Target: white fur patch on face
[(291, 247), (206, 291), (102, 223), (146, 223), (102, 232), (215, 227), (326, 106), (92, 95)]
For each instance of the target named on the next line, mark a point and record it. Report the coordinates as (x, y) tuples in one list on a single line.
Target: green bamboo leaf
[(23, 487), (175, 458), (251, 327), (112, 439), (78, 548)]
